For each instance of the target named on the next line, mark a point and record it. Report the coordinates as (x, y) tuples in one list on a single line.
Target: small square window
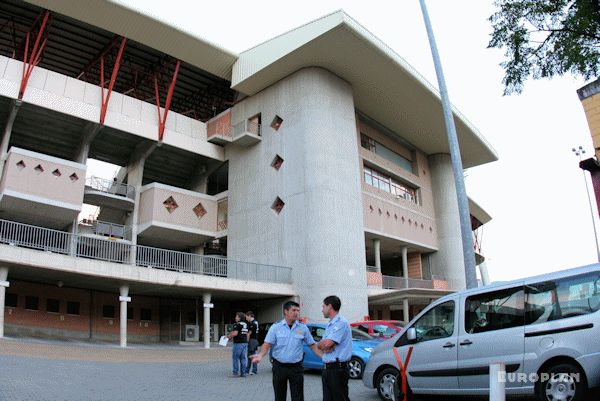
[(39, 168), (21, 165), (11, 300), (73, 177), (56, 173), (73, 308), (108, 311), (277, 162), (170, 204), (130, 313), (52, 305), (146, 314), (278, 205), (199, 210), (276, 123), (32, 303)]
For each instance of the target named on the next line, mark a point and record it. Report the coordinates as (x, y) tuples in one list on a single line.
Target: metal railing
[(45, 239), (245, 126), (401, 283), (112, 230), (111, 187), (373, 269)]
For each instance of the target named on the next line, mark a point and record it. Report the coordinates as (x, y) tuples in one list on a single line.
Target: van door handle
[(449, 345), (466, 342)]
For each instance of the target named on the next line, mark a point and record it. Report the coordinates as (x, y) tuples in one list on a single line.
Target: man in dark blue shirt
[(252, 368)]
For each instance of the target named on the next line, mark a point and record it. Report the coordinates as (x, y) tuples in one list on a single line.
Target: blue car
[(362, 346)]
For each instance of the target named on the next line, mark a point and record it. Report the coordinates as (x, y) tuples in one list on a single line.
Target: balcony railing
[(401, 283), (111, 187), (44, 239), (106, 229)]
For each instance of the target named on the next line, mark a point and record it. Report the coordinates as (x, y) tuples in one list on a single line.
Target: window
[(108, 311), (494, 311), (130, 313), (383, 330), (390, 185), (317, 333), (32, 303), (52, 305), (72, 308), (437, 323), (146, 314), (11, 300), (385, 152), (563, 298)]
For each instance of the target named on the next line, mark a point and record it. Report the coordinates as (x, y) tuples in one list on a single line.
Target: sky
[(535, 193)]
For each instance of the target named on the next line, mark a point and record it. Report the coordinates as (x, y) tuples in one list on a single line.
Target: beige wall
[(591, 106), (152, 209), (397, 217), (29, 182)]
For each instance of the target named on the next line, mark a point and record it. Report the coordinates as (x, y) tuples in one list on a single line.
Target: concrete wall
[(448, 261), (152, 208), (24, 179), (319, 232), (77, 98)]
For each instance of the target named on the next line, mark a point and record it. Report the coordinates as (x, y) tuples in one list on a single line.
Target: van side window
[(437, 323), (563, 298), (494, 310)]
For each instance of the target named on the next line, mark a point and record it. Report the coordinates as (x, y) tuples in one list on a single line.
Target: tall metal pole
[(457, 169), (579, 152)]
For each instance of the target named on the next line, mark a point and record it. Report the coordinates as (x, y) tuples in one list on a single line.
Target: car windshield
[(399, 324), (360, 335)]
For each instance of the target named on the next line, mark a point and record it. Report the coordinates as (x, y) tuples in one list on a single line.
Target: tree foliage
[(544, 38)]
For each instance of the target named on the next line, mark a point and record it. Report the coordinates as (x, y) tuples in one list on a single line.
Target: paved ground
[(32, 370)]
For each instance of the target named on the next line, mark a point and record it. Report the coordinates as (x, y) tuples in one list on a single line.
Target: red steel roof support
[(162, 120), (34, 58), (113, 78)]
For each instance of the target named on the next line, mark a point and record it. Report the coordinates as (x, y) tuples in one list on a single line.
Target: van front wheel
[(562, 382)]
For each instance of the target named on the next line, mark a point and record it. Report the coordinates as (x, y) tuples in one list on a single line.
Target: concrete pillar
[(405, 310), (448, 261), (89, 133), (318, 183), (377, 252), (206, 315), (485, 275), (3, 286), (124, 299), (12, 114), (405, 265)]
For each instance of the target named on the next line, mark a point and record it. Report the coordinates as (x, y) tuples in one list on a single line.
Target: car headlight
[(368, 349)]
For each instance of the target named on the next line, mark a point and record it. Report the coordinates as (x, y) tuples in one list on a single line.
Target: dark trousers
[(335, 384), (292, 373)]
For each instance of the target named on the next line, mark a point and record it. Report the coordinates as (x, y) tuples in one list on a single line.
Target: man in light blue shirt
[(286, 338), (337, 351)]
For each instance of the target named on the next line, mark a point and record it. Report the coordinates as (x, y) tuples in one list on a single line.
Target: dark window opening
[(32, 303), (72, 308), (11, 300), (145, 314), (52, 305), (108, 311)]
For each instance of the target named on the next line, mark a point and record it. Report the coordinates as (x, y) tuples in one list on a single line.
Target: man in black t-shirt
[(239, 334), (252, 368)]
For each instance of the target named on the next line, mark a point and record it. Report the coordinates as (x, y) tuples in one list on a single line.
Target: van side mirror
[(411, 335)]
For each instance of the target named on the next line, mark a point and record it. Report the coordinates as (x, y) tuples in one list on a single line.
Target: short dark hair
[(250, 313), (241, 315), (334, 301), (289, 304)]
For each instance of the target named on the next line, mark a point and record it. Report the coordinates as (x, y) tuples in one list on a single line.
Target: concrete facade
[(319, 230)]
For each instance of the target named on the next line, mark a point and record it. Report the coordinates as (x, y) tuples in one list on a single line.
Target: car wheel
[(565, 382), (385, 383), (355, 368)]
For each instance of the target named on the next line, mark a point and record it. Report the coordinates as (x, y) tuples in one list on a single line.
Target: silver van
[(545, 329)]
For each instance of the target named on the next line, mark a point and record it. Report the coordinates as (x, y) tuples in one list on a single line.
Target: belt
[(335, 365), (287, 365)]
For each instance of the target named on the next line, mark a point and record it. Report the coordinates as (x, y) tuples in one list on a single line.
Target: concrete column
[(405, 310), (448, 261), (485, 275), (124, 299), (377, 252), (89, 133), (3, 286), (12, 114), (206, 315), (405, 265)]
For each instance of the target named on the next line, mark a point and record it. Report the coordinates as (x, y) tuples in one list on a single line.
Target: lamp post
[(457, 169), (579, 152)]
